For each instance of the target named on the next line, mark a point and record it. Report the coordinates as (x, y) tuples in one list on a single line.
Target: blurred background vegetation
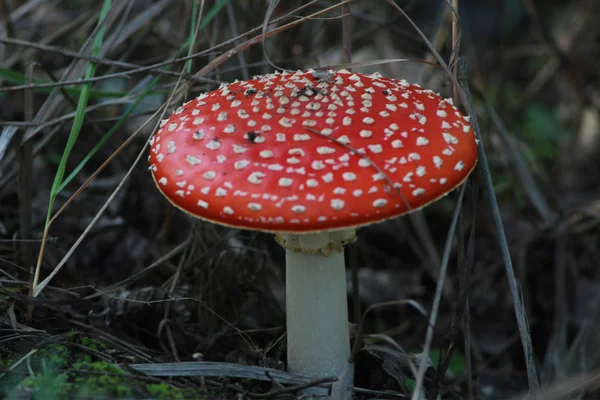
[(125, 278)]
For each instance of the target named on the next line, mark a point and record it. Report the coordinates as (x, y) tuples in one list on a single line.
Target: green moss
[(61, 371), (165, 391), (100, 378), (49, 386), (93, 344), (53, 356)]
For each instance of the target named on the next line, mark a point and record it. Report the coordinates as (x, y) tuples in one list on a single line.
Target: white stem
[(317, 314)]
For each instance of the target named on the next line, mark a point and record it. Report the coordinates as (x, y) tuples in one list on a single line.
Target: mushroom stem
[(317, 312)]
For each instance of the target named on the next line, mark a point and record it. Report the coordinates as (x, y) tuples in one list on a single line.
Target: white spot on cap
[(213, 145), (298, 209), (368, 120), (379, 203), (365, 133), (203, 204), (459, 166), (239, 149), (257, 139), (312, 183), (317, 165), (222, 116), (449, 138), (418, 192), (349, 176), (285, 122), (377, 177), (397, 143), (422, 141), (285, 182), (328, 177), (325, 150), (240, 164), (337, 204), (209, 175), (363, 162), (256, 177), (344, 139), (192, 160), (163, 181), (198, 135), (197, 121), (254, 206), (301, 137), (266, 154), (229, 128), (375, 148), (228, 210)]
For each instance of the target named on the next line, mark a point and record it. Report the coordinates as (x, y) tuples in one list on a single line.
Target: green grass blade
[(81, 106), (108, 134), (212, 13), (209, 17)]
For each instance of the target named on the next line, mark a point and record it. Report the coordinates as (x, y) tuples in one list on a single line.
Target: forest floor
[(101, 277)]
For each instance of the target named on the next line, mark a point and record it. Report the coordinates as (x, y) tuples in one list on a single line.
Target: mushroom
[(311, 156)]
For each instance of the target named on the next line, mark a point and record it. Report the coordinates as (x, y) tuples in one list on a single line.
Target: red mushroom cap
[(311, 151)]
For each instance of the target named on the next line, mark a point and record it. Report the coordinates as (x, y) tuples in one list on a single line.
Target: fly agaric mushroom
[(311, 156)]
